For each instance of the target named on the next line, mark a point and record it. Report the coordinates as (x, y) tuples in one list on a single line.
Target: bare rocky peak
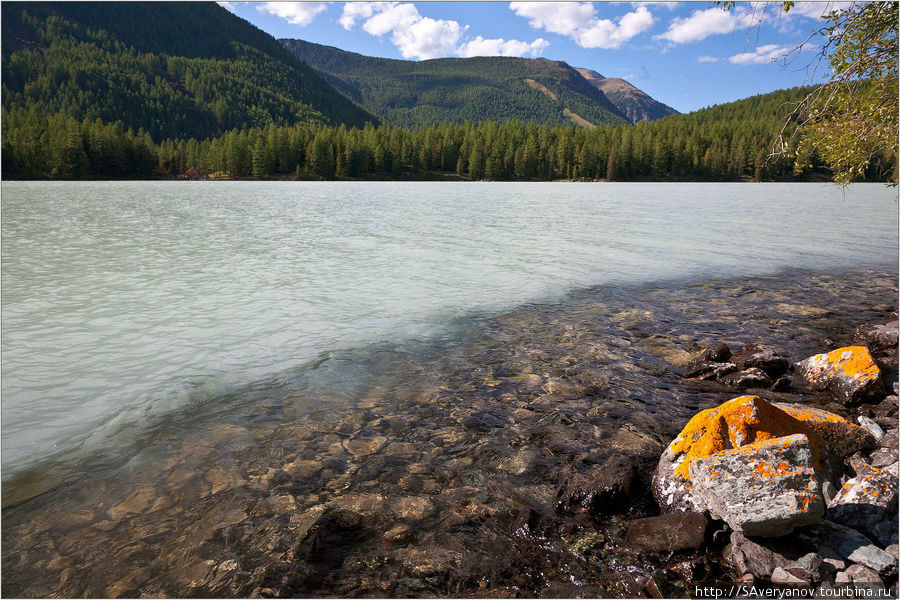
[(635, 104)]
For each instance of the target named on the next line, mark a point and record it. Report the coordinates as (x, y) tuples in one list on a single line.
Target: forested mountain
[(171, 69), (461, 90), (636, 105)]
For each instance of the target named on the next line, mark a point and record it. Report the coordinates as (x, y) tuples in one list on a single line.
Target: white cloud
[(666, 5), (227, 6), (354, 10), (427, 38), (816, 10), (295, 13), (414, 35), (762, 55), (500, 47), (578, 21), (707, 59), (700, 25), (391, 16), (423, 37), (564, 18)]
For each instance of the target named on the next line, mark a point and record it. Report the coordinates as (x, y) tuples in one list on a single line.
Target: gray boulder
[(761, 556), (809, 568), (877, 336), (748, 378), (865, 501), (763, 489), (852, 546), (710, 370), (716, 352)]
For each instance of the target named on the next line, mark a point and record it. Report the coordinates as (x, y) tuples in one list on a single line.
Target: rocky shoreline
[(794, 500), (517, 461)]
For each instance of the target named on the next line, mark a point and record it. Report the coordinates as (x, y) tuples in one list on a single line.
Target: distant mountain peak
[(635, 104), (590, 74)]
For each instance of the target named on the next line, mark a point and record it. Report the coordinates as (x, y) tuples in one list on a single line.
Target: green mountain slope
[(173, 69), (636, 105), (460, 90)]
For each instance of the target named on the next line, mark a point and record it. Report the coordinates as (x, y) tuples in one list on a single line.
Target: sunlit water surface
[(123, 301)]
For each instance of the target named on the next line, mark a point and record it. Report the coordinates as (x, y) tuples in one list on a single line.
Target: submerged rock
[(764, 489), (604, 487), (674, 531), (782, 384), (849, 373)]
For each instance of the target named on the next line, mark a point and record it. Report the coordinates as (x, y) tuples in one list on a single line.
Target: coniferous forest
[(90, 91)]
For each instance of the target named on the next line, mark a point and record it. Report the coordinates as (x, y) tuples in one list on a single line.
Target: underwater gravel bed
[(432, 469)]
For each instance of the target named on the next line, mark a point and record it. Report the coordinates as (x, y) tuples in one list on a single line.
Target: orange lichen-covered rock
[(765, 488), (843, 437), (849, 373), (738, 422)]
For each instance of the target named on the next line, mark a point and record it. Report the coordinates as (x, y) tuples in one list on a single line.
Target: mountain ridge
[(475, 89), (173, 69)]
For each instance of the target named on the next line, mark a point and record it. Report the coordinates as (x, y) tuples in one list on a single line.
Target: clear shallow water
[(124, 301)]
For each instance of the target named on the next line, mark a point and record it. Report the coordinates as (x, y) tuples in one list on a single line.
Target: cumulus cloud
[(414, 35), (423, 37), (356, 10), (295, 13), (707, 59), (701, 24), (667, 5), (816, 10), (500, 47), (762, 55), (578, 21), (227, 6)]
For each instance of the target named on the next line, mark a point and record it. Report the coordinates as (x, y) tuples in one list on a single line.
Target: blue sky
[(686, 54)]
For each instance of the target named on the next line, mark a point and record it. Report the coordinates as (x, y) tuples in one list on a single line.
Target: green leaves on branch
[(850, 122)]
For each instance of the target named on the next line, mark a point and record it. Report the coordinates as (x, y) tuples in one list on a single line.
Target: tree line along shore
[(729, 142)]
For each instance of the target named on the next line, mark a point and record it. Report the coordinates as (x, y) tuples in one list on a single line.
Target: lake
[(190, 335)]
